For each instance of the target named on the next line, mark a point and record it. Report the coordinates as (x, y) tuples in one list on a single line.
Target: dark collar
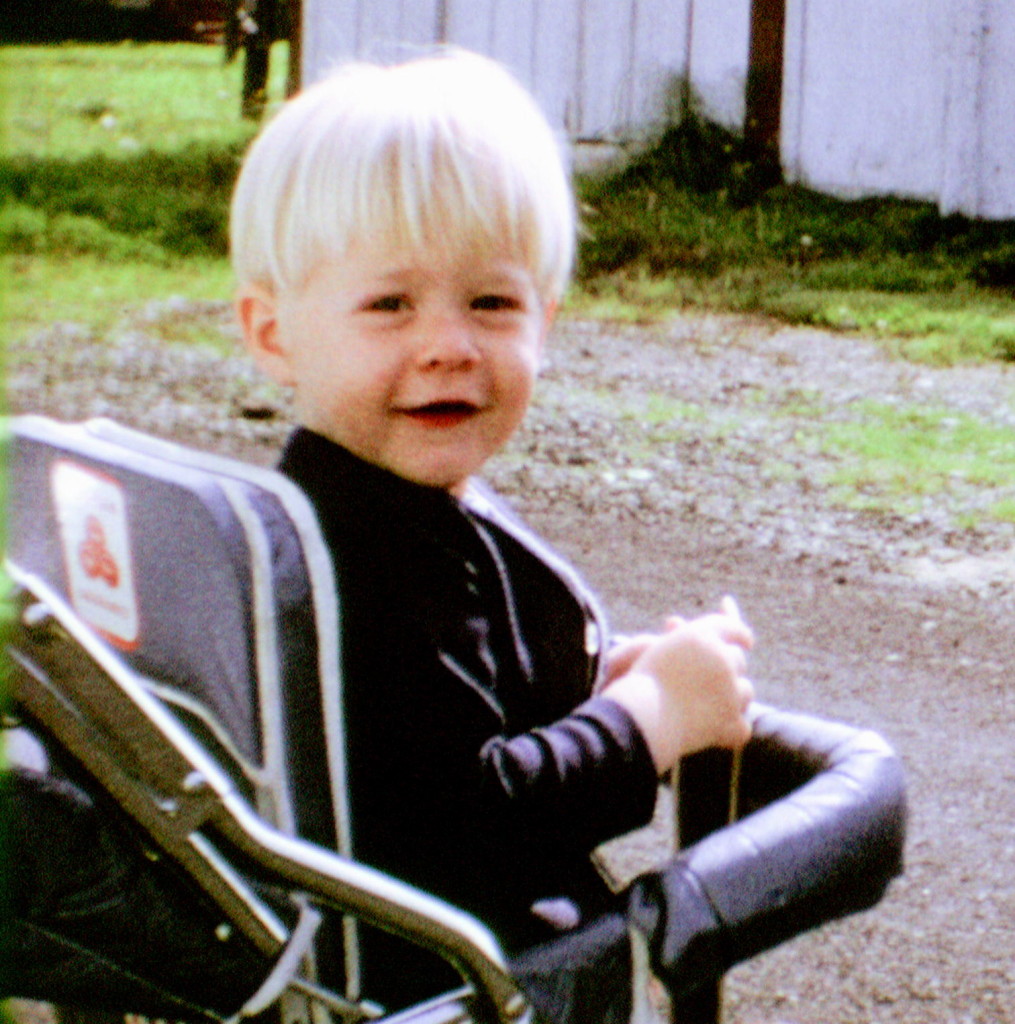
[(343, 486)]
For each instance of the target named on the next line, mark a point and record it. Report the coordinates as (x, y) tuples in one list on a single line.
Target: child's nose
[(447, 339)]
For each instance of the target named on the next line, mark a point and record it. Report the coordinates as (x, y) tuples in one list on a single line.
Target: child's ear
[(549, 314), (257, 313)]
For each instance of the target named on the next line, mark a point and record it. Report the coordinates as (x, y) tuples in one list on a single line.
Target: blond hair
[(445, 151)]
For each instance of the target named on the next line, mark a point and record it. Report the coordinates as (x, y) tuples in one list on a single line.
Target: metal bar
[(186, 793)]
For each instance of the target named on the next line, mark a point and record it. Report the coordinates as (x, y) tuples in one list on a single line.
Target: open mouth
[(442, 414)]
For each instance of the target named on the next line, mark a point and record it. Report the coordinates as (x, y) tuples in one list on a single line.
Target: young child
[(402, 237)]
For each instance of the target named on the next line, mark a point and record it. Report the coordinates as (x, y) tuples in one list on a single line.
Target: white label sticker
[(92, 515)]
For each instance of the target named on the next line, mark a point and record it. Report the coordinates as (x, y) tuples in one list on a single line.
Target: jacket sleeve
[(591, 768), (588, 776)]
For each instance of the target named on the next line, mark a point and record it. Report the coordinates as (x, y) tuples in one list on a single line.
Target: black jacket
[(479, 767)]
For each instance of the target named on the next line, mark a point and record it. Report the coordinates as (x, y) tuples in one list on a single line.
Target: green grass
[(912, 450), (69, 101), (125, 154), (960, 323), (1003, 511), (693, 223), (118, 160), (100, 292)]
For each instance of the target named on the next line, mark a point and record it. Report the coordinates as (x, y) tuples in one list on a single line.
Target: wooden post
[(257, 27), (294, 16), (762, 122)]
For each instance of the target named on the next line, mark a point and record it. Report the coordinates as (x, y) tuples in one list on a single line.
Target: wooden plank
[(605, 67), (874, 98), (554, 61), (718, 62), (396, 29), (330, 36), (995, 159), (469, 22), (511, 36), (661, 42), (419, 21)]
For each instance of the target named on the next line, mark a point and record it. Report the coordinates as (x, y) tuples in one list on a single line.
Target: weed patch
[(695, 222), (176, 203), (889, 456)]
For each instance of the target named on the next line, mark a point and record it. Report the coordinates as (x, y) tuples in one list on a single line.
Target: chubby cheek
[(522, 383), (342, 408), (518, 407)]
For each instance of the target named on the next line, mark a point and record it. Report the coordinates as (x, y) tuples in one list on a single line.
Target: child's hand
[(622, 655), (687, 688)]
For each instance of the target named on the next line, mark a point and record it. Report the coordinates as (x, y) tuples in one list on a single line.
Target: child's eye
[(495, 303), (388, 304)]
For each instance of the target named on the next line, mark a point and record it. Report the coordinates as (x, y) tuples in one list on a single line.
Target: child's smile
[(442, 415), (423, 365)]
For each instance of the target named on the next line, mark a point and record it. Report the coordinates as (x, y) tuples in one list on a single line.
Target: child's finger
[(745, 691), (729, 607), (623, 656)]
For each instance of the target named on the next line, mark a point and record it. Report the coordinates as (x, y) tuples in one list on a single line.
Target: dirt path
[(931, 669), (901, 623)]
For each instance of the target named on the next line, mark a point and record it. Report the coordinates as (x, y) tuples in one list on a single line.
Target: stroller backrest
[(209, 579)]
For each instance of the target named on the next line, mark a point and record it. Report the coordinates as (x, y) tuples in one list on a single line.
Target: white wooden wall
[(906, 97), (602, 69)]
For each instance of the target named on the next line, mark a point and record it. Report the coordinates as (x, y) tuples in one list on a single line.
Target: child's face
[(424, 366)]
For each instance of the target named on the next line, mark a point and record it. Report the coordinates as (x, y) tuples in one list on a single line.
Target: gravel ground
[(677, 463)]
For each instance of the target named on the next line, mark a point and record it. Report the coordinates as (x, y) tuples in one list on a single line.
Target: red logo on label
[(96, 559)]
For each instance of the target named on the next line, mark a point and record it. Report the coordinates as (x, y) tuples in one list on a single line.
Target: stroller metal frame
[(77, 688), (183, 801)]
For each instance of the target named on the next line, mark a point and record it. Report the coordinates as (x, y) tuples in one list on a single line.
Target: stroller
[(177, 626)]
